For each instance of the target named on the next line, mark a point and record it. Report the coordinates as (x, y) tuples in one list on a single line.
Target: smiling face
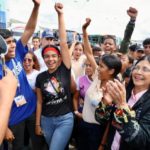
[(11, 48), (141, 75), (28, 62), (52, 60), (104, 72)]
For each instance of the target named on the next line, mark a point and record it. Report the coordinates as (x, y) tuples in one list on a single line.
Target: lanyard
[(53, 86), (15, 73)]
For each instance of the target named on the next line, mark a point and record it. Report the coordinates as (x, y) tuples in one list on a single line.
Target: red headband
[(51, 49)]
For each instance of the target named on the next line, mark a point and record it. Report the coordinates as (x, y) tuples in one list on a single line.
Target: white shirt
[(38, 54), (32, 78), (78, 66), (93, 96)]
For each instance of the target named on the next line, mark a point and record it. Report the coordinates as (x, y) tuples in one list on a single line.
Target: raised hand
[(132, 12), (36, 2), (87, 23), (59, 8)]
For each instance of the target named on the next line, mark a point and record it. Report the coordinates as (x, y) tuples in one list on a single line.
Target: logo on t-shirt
[(17, 69), (55, 91)]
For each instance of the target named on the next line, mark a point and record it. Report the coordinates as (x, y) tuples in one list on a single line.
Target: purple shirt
[(83, 84)]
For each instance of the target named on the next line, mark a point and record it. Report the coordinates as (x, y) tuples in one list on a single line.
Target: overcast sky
[(108, 16)]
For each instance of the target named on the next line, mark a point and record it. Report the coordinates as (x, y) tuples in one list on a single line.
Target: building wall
[(2, 13)]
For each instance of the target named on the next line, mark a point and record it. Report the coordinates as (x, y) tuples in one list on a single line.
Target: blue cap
[(47, 33)]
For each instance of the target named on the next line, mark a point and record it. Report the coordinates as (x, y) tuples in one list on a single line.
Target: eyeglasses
[(28, 59), (143, 69)]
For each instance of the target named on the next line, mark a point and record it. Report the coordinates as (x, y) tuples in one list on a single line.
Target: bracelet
[(103, 113), (76, 112), (123, 115)]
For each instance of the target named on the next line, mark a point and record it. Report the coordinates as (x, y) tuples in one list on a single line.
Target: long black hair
[(112, 62)]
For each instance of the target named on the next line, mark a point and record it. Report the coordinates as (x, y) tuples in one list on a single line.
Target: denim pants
[(57, 130)]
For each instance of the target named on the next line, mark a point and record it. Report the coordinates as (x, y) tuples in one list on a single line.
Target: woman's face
[(52, 60), (28, 62), (104, 72), (78, 50), (141, 74), (88, 68)]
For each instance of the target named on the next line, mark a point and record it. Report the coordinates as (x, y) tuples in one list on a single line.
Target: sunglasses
[(28, 60)]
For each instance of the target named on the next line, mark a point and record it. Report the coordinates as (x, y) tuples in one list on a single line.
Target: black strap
[(53, 86)]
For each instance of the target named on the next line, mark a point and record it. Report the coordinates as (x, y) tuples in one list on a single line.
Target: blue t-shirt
[(20, 113)]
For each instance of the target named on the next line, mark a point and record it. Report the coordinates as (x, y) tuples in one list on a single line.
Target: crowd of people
[(98, 96)]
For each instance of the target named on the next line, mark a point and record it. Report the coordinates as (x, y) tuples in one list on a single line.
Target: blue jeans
[(57, 130)]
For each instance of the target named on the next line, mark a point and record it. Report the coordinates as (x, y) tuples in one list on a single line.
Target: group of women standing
[(110, 115)]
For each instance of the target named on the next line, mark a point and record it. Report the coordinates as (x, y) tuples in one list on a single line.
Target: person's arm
[(132, 13), (38, 129), (31, 24), (76, 104), (134, 129), (8, 86), (87, 48), (135, 133), (62, 36), (73, 84)]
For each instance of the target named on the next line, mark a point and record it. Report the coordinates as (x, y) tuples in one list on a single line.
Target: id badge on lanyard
[(20, 99)]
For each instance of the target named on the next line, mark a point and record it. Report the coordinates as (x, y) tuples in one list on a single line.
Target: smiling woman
[(141, 74), (54, 118), (31, 67), (131, 115)]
